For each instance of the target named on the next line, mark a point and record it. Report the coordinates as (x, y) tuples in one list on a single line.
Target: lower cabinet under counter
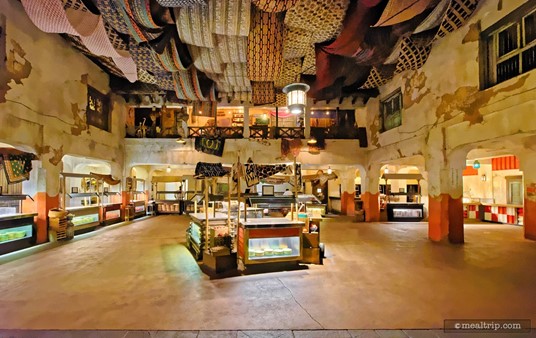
[(139, 208), (405, 212), (16, 232), (111, 213), (265, 243), (85, 219)]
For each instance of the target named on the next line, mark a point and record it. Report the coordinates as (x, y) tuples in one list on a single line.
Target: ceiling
[(246, 51)]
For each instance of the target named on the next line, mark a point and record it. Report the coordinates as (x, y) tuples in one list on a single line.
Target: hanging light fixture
[(296, 97), (329, 170), (476, 164), (168, 169)]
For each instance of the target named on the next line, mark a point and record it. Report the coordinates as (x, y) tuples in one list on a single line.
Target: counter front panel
[(16, 232)]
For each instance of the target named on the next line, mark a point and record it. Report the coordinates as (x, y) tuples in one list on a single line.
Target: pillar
[(527, 162), (370, 181), (347, 179), (47, 195), (307, 121), (246, 121), (445, 209)]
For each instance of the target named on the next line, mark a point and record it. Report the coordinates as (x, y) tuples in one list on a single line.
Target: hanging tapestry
[(397, 11), (17, 167), (204, 169), (273, 6), (230, 17), (256, 172), (210, 146)]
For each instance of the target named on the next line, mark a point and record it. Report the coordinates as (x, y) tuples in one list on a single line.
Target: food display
[(11, 235), (274, 247), (86, 219)]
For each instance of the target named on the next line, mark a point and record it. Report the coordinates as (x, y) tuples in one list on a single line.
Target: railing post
[(246, 121), (307, 120)]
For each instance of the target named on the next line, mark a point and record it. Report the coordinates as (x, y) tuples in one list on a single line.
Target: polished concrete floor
[(376, 276)]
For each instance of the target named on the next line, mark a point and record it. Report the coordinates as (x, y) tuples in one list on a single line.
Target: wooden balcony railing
[(289, 132), (262, 132), (216, 132)]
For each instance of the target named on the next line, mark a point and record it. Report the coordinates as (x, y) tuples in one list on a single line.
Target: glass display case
[(405, 212), (111, 213), (196, 232), (269, 240), (85, 218), (16, 232), (312, 204)]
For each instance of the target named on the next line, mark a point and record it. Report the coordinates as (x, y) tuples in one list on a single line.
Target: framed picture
[(74, 190), (401, 190), (106, 190), (98, 109), (267, 190)]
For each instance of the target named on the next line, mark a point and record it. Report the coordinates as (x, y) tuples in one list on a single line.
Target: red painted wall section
[(125, 200), (470, 171), (348, 203), (504, 163), (455, 220), (438, 217), (371, 205), (529, 219), (44, 203)]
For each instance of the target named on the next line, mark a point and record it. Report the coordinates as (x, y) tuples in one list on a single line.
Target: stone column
[(347, 179), (370, 195), (527, 162), (445, 214), (307, 120), (246, 121), (47, 194)]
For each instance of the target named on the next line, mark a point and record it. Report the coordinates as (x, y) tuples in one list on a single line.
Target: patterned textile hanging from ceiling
[(206, 59), (136, 30), (230, 17), (265, 46), (145, 58), (412, 56), (232, 48), (263, 92), (456, 15), (321, 17), (297, 43), (434, 18), (274, 6), (180, 3), (235, 74), (194, 26), (290, 74), (397, 11), (379, 76), (110, 13), (309, 62)]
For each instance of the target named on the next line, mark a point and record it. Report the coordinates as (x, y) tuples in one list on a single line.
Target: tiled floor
[(376, 276)]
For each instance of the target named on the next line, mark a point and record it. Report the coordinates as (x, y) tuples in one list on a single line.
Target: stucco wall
[(43, 97)]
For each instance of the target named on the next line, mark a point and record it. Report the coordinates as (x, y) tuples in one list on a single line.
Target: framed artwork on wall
[(267, 190), (98, 109)]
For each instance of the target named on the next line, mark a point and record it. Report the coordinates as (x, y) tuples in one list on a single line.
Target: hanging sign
[(210, 146)]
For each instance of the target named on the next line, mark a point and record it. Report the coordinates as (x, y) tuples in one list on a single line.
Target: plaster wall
[(43, 97)]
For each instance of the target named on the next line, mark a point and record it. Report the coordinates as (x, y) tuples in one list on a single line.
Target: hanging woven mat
[(397, 11), (206, 59), (457, 14), (263, 92), (230, 17), (164, 81), (145, 58), (201, 89), (180, 3), (141, 12), (138, 32), (280, 100), (182, 83), (145, 76), (321, 17), (411, 56), (128, 67), (379, 76), (274, 6), (194, 26), (309, 62), (290, 74), (235, 74), (99, 42), (51, 16), (265, 46), (434, 18), (108, 10), (232, 48), (297, 43)]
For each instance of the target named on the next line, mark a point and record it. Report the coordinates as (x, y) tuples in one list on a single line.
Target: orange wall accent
[(371, 205), (470, 171), (455, 220), (348, 203), (44, 204), (504, 163), (125, 200), (529, 219), (438, 217)]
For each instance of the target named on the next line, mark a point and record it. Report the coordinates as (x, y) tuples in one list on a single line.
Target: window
[(509, 47), (391, 111)]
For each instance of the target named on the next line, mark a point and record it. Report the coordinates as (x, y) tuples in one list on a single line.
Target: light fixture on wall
[(296, 97), (483, 178), (319, 190), (180, 140), (168, 169), (312, 141), (476, 164), (329, 170), (386, 171)]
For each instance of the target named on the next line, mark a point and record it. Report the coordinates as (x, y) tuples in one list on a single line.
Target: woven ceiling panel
[(379, 76), (232, 48), (280, 100), (182, 83), (99, 43), (180, 3), (262, 92), (457, 13), (434, 18), (265, 46), (235, 74), (411, 56), (194, 25), (141, 11), (164, 81), (274, 6), (139, 33), (297, 43), (309, 62), (145, 77), (206, 59), (321, 17), (50, 16), (108, 10), (397, 11), (145, 58), (128, 67), (290, 74), (230, 17)]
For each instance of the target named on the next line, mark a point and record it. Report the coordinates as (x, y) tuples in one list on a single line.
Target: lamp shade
[(476, 164), (296, 97)]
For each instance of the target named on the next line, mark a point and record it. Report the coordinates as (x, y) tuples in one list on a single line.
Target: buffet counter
[(196, 232), (471, 210), (139, 208), (111, 213), (269, 240), (405, 212), (16, 232), (501, 213), (86, 218)]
